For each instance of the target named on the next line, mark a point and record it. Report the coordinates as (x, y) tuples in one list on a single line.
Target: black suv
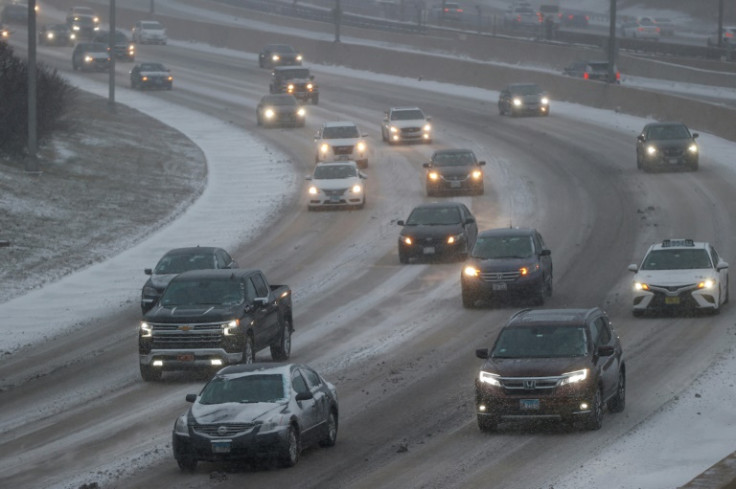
[(666, 145), (507, 262), (123, 48), (454, 170), (560, 364), (295, 80)]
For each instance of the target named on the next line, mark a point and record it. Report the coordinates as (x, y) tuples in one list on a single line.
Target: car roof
[(215, 273), (679, 244), (438, 205), (507, 232), (550, 317), (519, 85), (664, 123), (279, 46), (339, 124), (405, 108), (257, 368), (337, 163), (191, 249)]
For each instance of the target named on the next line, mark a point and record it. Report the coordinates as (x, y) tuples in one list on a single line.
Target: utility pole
[(337, 16), (31, 162), (152, 9), (720, 24), (111, 49), (612, 43)]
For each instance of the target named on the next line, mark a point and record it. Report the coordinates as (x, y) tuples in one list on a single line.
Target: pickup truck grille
[(343, 150), (186, 336)]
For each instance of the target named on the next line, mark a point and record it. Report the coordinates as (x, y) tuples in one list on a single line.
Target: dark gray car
[(437, 230), (454, 171), (523, 98), (666, 145)]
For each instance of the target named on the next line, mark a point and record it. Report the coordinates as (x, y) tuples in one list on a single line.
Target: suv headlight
[(357, 188), (433, 175), (313, 190), (471, 271), (269, 113), (146, 330), (651, 150), (476, 175), (180, 427), (324, 148), (545, 101), (574, 377), (489, 378), (361, 146), (427, 127), (516, 101), (456, 238), (393, 129)]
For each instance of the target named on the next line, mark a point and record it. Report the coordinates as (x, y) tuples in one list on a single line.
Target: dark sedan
[(91, 56), (151, 75), (437, 230), (593, 70), (454, 170), (257, 411), (523, 98), (56, 35), (177, 261), (279, 55), (666, 145), (281, 109), (507, 262)]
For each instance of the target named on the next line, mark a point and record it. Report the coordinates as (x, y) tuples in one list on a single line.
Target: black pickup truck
[(207, 319)]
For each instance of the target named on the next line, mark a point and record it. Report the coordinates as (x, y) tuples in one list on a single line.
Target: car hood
[(501, 264), (96, 54), (453, 171), (408, 123), (161, 281), (182, 314), (298, 80), (425, 231), (534, 367), (535, 97), (154, 73), (671, 143), (235, 412), (335, 183), (340, 141), (673, 277)]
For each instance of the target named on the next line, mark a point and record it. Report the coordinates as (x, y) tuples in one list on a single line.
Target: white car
[(405, 124), (338, 184), (680, 274), (643, 28), (341, 141), (728, 38), (149, 32)]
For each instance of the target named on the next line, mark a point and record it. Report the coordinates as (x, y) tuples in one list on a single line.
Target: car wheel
[(330, 431), (403, 258), (487, 423), (500, 110), (548, 286), (481, 190), (187, 464), (618, 402), (290, 456), (281, 350), (469, 298), (249, 350), (594, 420), (150, 374)]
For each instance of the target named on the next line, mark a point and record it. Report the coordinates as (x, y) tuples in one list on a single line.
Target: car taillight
[(618, 75), (586, 76)]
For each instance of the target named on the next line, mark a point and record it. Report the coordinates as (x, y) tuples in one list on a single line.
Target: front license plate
[(455, 184), (186, 357), (671, 300), (529, 404), (221, 446), (429, 250), (334, 199), (674, 161), (343, 157), (501, 286)]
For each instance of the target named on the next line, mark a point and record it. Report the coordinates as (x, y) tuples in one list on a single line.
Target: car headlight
[(144, 78), (393, 129), (471, 271), (180, 427), (324, 148), (693, 148), (148, 290), (269, 113), (361, 146), (49, 35), (707, 284), (290, 87), (651, 150), (407, 240), (433, 175), (170, 78), (299, 57), (301, 112), (231, 327), (574, 377), (75, 27), (310, 86), (146, 330), (88, 59), (275, 57), (427, 128), (357, 189), (96, 20), (544, 101), (516, 101), (490, 379), (72, 36), (476, 175), (454, 238), (313, 190), (640, 286), (131, 49)]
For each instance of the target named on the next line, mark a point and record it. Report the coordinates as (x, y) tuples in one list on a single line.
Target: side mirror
[(483, 353), (429, 119), (605, 351), (362, 175), (545, 252), (695, 135), (304, 396), (722, 266), (640, 138), (633, 267), (481, 163), (260, 301), (400, 222), (470, 220), (191, 397), (148, 271), (426, 165)]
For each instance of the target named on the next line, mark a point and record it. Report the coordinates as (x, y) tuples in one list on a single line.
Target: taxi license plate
[(186, 357), (501, 286), (529, 404), (429, 250), (221, 446), (334, 198), (671, 300)]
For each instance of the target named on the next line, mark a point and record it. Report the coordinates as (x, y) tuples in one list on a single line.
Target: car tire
[(469, 298), (594, 420), (330, 437), (249, 350), (548, 285), (694, 166), (403, 258), (618, 402), (281, 350), (501, 112), (487, 424), (481, 190), (290, 455), (150, 374), (187, 464), (540, 295)]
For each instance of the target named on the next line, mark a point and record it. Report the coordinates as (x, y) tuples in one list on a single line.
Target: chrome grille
[(343, 150), (530, 384), (222, 430), (335, 193)]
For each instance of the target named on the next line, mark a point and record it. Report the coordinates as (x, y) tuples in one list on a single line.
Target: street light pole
[(31, 162), (337, 15), (111, 48), (612, 43)]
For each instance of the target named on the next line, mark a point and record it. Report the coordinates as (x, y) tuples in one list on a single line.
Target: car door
[(471, 228), (268, 313), (607, 366), (321, 400), (722, 274), (309, 410)]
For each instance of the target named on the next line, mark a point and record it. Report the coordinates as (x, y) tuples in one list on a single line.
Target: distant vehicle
[(666, 26), (450, 11), (4, 33), (82, 11), (339, 184), (552, 364), (574, 19), (507, 263), (680, 274), (91, 56), (296, 81), (444, 230), (523, 98), (592, 70), (521, 15), (149, 32), (406, 124), (84, 26), (177, 261), (254, 412), (455, 171), (643, 28), (56, 35), (14, 13), (552, 13), (728, 37), (341, 141), (208, 319), (666, 145), (280, 109), (279, 55), (123, 48), (151, 75)]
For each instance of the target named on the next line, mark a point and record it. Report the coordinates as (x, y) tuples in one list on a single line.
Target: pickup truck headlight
[(490, 379), (310, 86), (324, 148), (574, 377), (231, 327), (146, 330), (361, 146), (275, 58), (180, 427), (545, 101), (427, 127), (301, 112), (471, 271), (393, 129)]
